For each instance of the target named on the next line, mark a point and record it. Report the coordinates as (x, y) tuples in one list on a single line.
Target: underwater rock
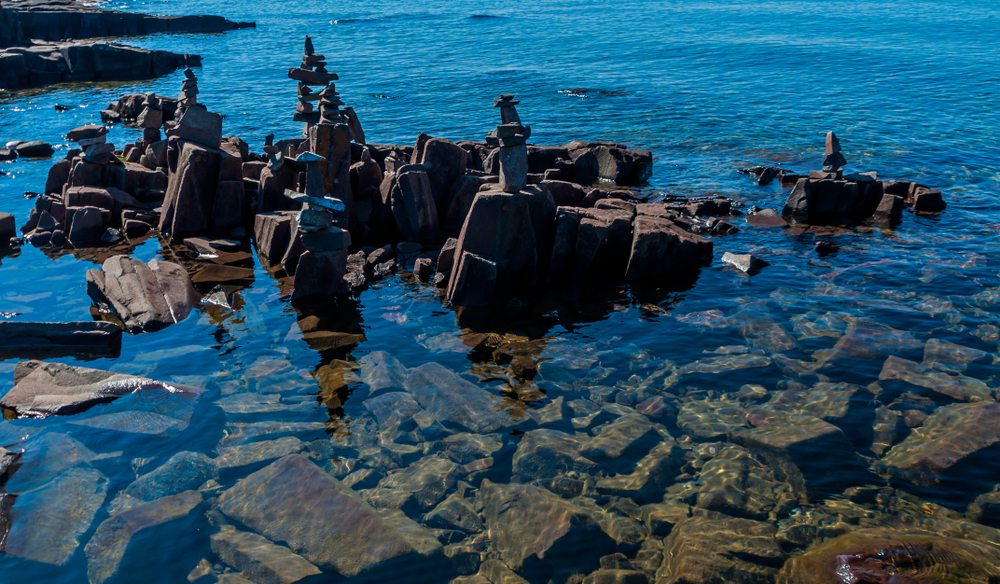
[(183, 471), (956, 387), (544, 454), (622, 442), (47, 522), (455, 401), (235, 457), (294, 502), (428, 479), (260, 560), (107, 547), (738, 483), (455, 512), (948, 438), (883, 555), (43, 389), (58, 338), (540, 535), (720, 551), (146, 297)]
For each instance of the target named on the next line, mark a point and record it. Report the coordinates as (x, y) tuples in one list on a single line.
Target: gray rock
[(147, 297), (260, 560), (746, 263), (200, 126), (42, 389), (88, 226)]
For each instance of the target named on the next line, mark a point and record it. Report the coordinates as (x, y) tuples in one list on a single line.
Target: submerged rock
[(455, 401), (886, 556), (720, 551), (108, 545), (260, 560), (294, 502), (184, 471), (540, 535)]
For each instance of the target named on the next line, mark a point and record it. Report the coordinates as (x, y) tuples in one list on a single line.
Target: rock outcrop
[(146, 297)]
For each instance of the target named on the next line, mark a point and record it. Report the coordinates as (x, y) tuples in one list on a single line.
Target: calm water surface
[(910, 88)]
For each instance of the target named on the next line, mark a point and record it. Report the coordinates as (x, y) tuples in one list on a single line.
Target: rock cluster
[(829, 197)]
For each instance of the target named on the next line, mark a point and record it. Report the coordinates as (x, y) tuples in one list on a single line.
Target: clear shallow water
[(707, 86)]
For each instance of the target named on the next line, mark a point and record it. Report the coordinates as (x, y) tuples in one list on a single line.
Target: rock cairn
[(189, 91), (834, 160), (512, 137), (320, 240), (312, 73)]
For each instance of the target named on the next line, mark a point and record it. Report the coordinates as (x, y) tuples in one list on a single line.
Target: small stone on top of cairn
[(511, 137), (834, 160)]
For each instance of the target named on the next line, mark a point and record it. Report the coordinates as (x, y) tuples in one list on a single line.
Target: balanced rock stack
[(189, 91), (512, 137), (150, 121), (834, 157), (321, 246), (313, 73)]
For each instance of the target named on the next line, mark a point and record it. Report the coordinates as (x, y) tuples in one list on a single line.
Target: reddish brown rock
[(661, 249)]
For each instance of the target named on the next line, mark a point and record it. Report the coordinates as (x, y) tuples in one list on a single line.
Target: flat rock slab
[(147, 297), (46, 523), (455, 401), (319, 518), (43, 389), (60, 338), (108, 545), (259, 559)]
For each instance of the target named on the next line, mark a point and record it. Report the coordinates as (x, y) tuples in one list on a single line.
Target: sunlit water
[(707, 86)]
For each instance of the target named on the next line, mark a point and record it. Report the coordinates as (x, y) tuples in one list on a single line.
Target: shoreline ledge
[(44, 42)]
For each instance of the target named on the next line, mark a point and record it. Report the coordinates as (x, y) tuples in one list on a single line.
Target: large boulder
[(146, 297), (190, 199), (662, 249), (445, 161), (413, 206), (513, 231)]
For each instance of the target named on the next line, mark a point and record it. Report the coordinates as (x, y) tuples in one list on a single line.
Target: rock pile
[(82, 204), (829, 197), (511, 137)]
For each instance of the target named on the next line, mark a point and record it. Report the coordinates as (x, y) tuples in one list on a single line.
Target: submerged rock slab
[(294, 502), (147, 297), (455, 401), (540, 535), (43, 389), (260, 560), (724, 551), (47, 522), (948, 438), (58, 338), (108, 545)]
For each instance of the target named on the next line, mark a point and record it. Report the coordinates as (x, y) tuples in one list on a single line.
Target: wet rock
[(381, 372), (746, 263), (720, 551), (617, 577), (58, 338), (235, 457), (766, 218), (87, 227), (455, 512), (34, 149), (956, 387), (883, 555), (621, 442), (107, 547), (738, 483), (272, 234), (260, 560), (867, 339), (938, 352), (540, 535), (8, 229), (43, 389), (394, 411), (661, 249), (428, 479), (650, 476), (950, 439), (711, 419), (294, 502), (890, 209), (544, 454), (453, 400), (724, 363), (45, 458), (466, 448), (927, 201), (155, 411), (801, 439), (184, 471), (46, 523), (146, 297)]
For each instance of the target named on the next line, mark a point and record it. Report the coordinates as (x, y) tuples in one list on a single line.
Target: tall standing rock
[(512, 138), (834, 157)]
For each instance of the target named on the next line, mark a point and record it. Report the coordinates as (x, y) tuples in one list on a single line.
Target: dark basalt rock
[(59, 338)]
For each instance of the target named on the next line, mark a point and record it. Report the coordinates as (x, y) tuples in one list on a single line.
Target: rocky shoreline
[(42, 43), (653, 480)]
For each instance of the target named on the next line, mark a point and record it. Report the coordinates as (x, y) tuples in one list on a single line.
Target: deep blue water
[(909, 87)]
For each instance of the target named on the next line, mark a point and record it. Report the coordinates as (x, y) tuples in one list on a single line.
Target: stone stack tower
[(512, 137)]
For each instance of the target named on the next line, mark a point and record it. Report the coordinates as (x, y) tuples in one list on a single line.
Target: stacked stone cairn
[(829, 197), (512, 139), (205, 192)]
